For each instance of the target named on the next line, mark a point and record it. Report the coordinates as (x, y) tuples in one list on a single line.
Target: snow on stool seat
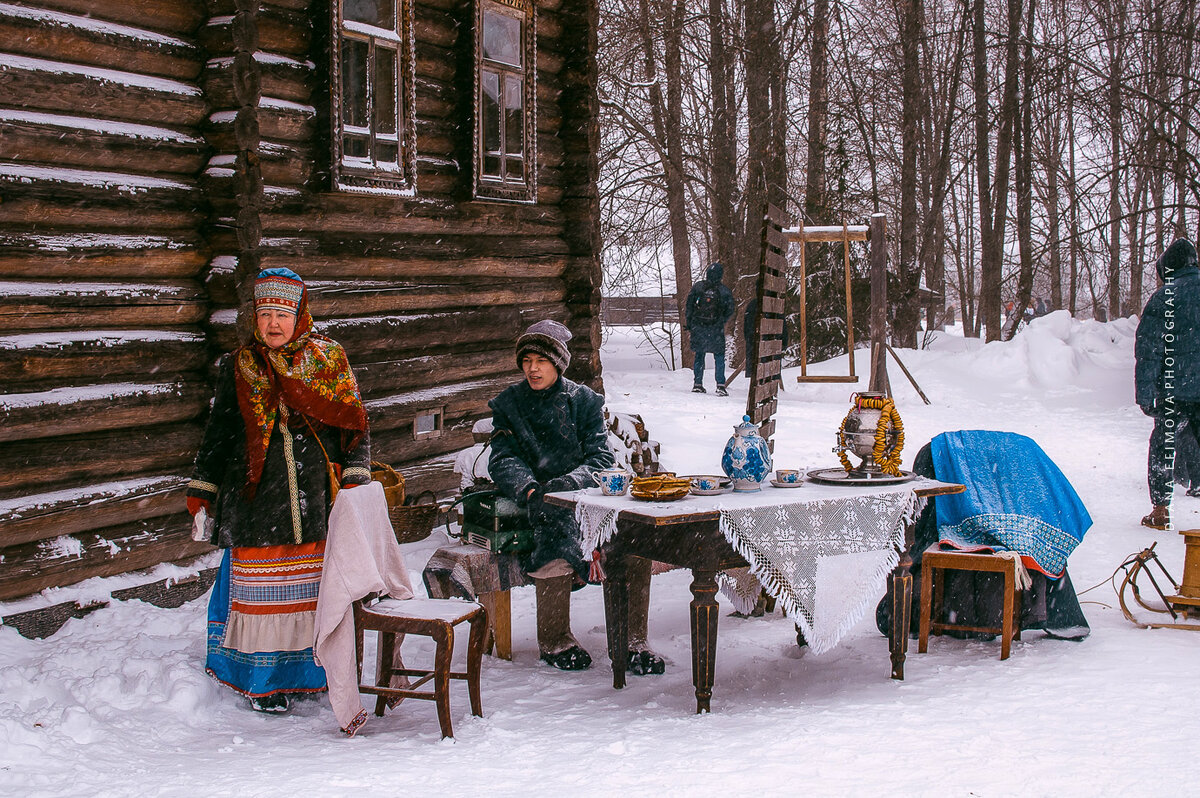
[(452, 611)]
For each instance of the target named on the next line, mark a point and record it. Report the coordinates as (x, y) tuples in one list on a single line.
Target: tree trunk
[(1116, 170), (908, 300), (1024, 174), (722, 186), (765, 155), (666, 117)]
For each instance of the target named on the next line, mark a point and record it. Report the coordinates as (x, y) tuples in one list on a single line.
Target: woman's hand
[(195, 503)]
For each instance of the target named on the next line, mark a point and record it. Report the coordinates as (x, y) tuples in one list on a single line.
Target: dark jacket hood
[(716, 271), (1179, 257)]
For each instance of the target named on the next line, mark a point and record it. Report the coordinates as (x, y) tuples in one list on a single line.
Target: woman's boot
[(557, 645)]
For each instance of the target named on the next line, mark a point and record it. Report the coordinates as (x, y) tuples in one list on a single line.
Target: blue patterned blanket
[(1016, 498)]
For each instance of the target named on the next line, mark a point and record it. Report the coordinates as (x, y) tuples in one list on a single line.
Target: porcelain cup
[(613, 481), (706, 483), (787, 476)]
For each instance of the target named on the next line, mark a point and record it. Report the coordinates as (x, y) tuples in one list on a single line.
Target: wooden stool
[(935, 560), (435, 618)]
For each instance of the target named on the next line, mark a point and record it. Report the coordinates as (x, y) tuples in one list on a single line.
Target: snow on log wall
[(102, 304), (126, 218)]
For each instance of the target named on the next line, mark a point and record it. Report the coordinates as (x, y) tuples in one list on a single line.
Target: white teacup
[(706, 482), (613, 481), (787, 476)]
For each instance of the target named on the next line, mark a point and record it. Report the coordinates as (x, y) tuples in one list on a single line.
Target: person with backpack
[(709, 307)]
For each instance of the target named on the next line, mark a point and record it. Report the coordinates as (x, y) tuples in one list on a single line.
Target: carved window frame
[(503, 187), (368, 174)]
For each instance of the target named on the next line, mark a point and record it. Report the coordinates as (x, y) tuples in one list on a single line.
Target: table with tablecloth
[(822, 551)]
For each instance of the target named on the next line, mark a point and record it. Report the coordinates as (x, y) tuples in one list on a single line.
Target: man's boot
[(1159, 518), (555, 642), (642, 660)]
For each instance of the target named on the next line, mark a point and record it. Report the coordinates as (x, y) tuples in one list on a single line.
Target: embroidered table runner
[(821, 551)]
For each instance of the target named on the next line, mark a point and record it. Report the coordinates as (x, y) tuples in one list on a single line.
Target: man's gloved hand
[(534, 506), (559, 484)]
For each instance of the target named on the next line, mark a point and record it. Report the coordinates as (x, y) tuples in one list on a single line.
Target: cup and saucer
[(788, 478), (708, 485)]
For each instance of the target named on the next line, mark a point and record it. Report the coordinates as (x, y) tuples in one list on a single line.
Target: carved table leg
[(901, 589), (616, 616), (704, 614)]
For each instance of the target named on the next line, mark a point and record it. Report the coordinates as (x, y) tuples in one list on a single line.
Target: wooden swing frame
[(826, 235)]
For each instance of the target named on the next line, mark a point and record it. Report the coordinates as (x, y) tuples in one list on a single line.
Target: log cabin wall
[(154, 154)]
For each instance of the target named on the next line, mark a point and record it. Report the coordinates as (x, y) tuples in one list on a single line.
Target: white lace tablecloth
[(822, 551)]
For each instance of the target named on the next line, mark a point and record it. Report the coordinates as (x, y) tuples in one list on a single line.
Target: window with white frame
[(505, 100), (374, 135)]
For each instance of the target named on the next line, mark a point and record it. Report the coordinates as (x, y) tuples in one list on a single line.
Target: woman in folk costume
[(287, 429)]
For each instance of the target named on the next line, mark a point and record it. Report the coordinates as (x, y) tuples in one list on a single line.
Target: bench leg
[(498, 604)]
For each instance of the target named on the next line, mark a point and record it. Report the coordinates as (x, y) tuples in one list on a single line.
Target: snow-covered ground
[(117, 703)]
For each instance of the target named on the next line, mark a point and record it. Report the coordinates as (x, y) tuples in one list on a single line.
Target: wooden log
[(341, 221), (67, 222), (41, 304), (549, 61), (333, 266), (432, 473), (80, 40), (89, 187), (91, 408), (92, 457), (130, 547), (279, 76), (63, 140), (365, 297), (111, 94), (434, 99), (25, 519), (99, 255), (282, 119), (434, 62), (398, 446), (384, 377), (454, 400), (87, 355), (167, 16), (344, 301), (279, 30), (432, 26)]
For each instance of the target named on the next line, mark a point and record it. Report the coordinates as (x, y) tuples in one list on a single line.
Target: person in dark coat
[(549, 435), (287, 430), (1167, 370), (709, 308)]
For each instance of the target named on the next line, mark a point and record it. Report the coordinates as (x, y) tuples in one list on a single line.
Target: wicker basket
[(393, 483), (413, 522)]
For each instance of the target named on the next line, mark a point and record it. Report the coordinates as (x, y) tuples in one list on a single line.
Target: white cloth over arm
[(361, 557)]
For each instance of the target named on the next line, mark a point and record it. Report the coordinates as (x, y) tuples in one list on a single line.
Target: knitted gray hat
[(549, 339)]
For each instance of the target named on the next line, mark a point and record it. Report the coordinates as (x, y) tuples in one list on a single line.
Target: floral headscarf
[(309, 374)]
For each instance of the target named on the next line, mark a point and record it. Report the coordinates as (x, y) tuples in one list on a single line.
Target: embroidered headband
[(278, 288)]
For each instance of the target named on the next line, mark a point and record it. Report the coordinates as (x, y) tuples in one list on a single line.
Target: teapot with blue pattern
[(747, 457)]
